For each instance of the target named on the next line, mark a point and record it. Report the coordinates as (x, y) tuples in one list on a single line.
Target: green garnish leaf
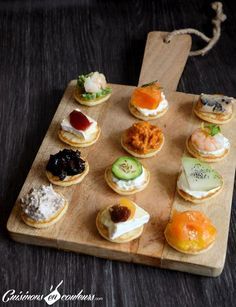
[(213, 129), (81, 80), (152, 83), (100, 94)]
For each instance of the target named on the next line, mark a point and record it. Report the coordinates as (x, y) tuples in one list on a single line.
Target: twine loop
[(216, 21)]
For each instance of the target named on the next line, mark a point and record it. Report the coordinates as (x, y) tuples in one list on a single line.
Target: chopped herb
[(212, 129), (100, 94), (81, 80)]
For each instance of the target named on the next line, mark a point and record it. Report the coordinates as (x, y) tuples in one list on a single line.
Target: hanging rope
[(219, 18)]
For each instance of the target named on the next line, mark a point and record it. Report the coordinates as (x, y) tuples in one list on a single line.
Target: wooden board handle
[(164, 61)]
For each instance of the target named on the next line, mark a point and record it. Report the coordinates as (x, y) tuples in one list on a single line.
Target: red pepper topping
[(79, 121)]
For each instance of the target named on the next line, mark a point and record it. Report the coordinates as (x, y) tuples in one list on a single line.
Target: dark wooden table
[(45, 44)]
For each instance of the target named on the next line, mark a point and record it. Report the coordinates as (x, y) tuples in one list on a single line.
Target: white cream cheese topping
[(116, 230), (133, 183), (162, 106), (183, 185), (84, 134), (221, 140), (42, 203)]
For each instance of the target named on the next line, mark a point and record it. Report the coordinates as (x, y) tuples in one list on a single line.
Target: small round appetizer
[(42, 207), (122, 222), (127, 176), (66, 168), (79, 130), (208, 143), (198, 181), (92, 89), (190, 232), (148, 102), (142, 140), (216, 109)]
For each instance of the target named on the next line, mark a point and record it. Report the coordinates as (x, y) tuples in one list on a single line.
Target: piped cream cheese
[(87, 134), (41, 204), (183, 185), (133, 183), (221, 140), (162, 106), (116, 230)]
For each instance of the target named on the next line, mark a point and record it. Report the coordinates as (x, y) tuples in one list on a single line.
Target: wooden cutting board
[(76, 231)]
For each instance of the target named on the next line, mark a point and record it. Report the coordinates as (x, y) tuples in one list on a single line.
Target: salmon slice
[(147, 97)]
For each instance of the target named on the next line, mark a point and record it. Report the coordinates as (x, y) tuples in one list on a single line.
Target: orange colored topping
[(190, 231), (143, 137), (147, 97)]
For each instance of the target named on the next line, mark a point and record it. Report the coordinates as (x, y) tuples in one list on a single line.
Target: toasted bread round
[(75, 141), (150, 153), (195, 200), (47, 223), (206, 158), (114, 187), (211, 117), (135, 112), (69, 180), (127, 237), (91, 102)]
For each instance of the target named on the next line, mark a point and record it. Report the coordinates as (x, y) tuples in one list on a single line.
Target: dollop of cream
[(41, 204), (133, 183), (183, 185), (162, 106), (116, 230), (95, 82)]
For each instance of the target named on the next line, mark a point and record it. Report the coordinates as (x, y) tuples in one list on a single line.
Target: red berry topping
[(79, 121)]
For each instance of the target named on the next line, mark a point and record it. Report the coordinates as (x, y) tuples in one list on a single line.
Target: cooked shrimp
[(203, 141), (95, 83)]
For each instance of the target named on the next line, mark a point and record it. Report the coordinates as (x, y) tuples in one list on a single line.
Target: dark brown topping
[(66, 162), (119, 213)]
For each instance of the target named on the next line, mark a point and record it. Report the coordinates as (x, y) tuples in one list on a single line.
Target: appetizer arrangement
[(208, 143), (122, 222), (66, 168), (216, 109), (79, 130), (190, 232), (148, 102), (92, 89), (198, 181), (127, 176), (142, 140), (42, 207)]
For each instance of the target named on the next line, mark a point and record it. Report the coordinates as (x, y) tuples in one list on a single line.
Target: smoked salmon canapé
[(148, 102), (208, 144), (142, 140), (92, 89), (216, 109), (190, 232)]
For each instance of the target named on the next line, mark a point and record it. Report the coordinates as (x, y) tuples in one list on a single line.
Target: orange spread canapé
[(147, 97), (190, 231), (142, 137)]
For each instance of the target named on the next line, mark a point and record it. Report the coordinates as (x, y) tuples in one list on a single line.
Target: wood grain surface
[(44, 45)]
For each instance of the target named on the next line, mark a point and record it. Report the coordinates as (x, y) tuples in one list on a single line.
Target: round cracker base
[(190, 252), (135, 112), (89, 103), (72, 140), (113, 186), (44, 224), (194, 200), (199, 156), (212, 118), (127, 237), (150, 153), (70, 180)]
